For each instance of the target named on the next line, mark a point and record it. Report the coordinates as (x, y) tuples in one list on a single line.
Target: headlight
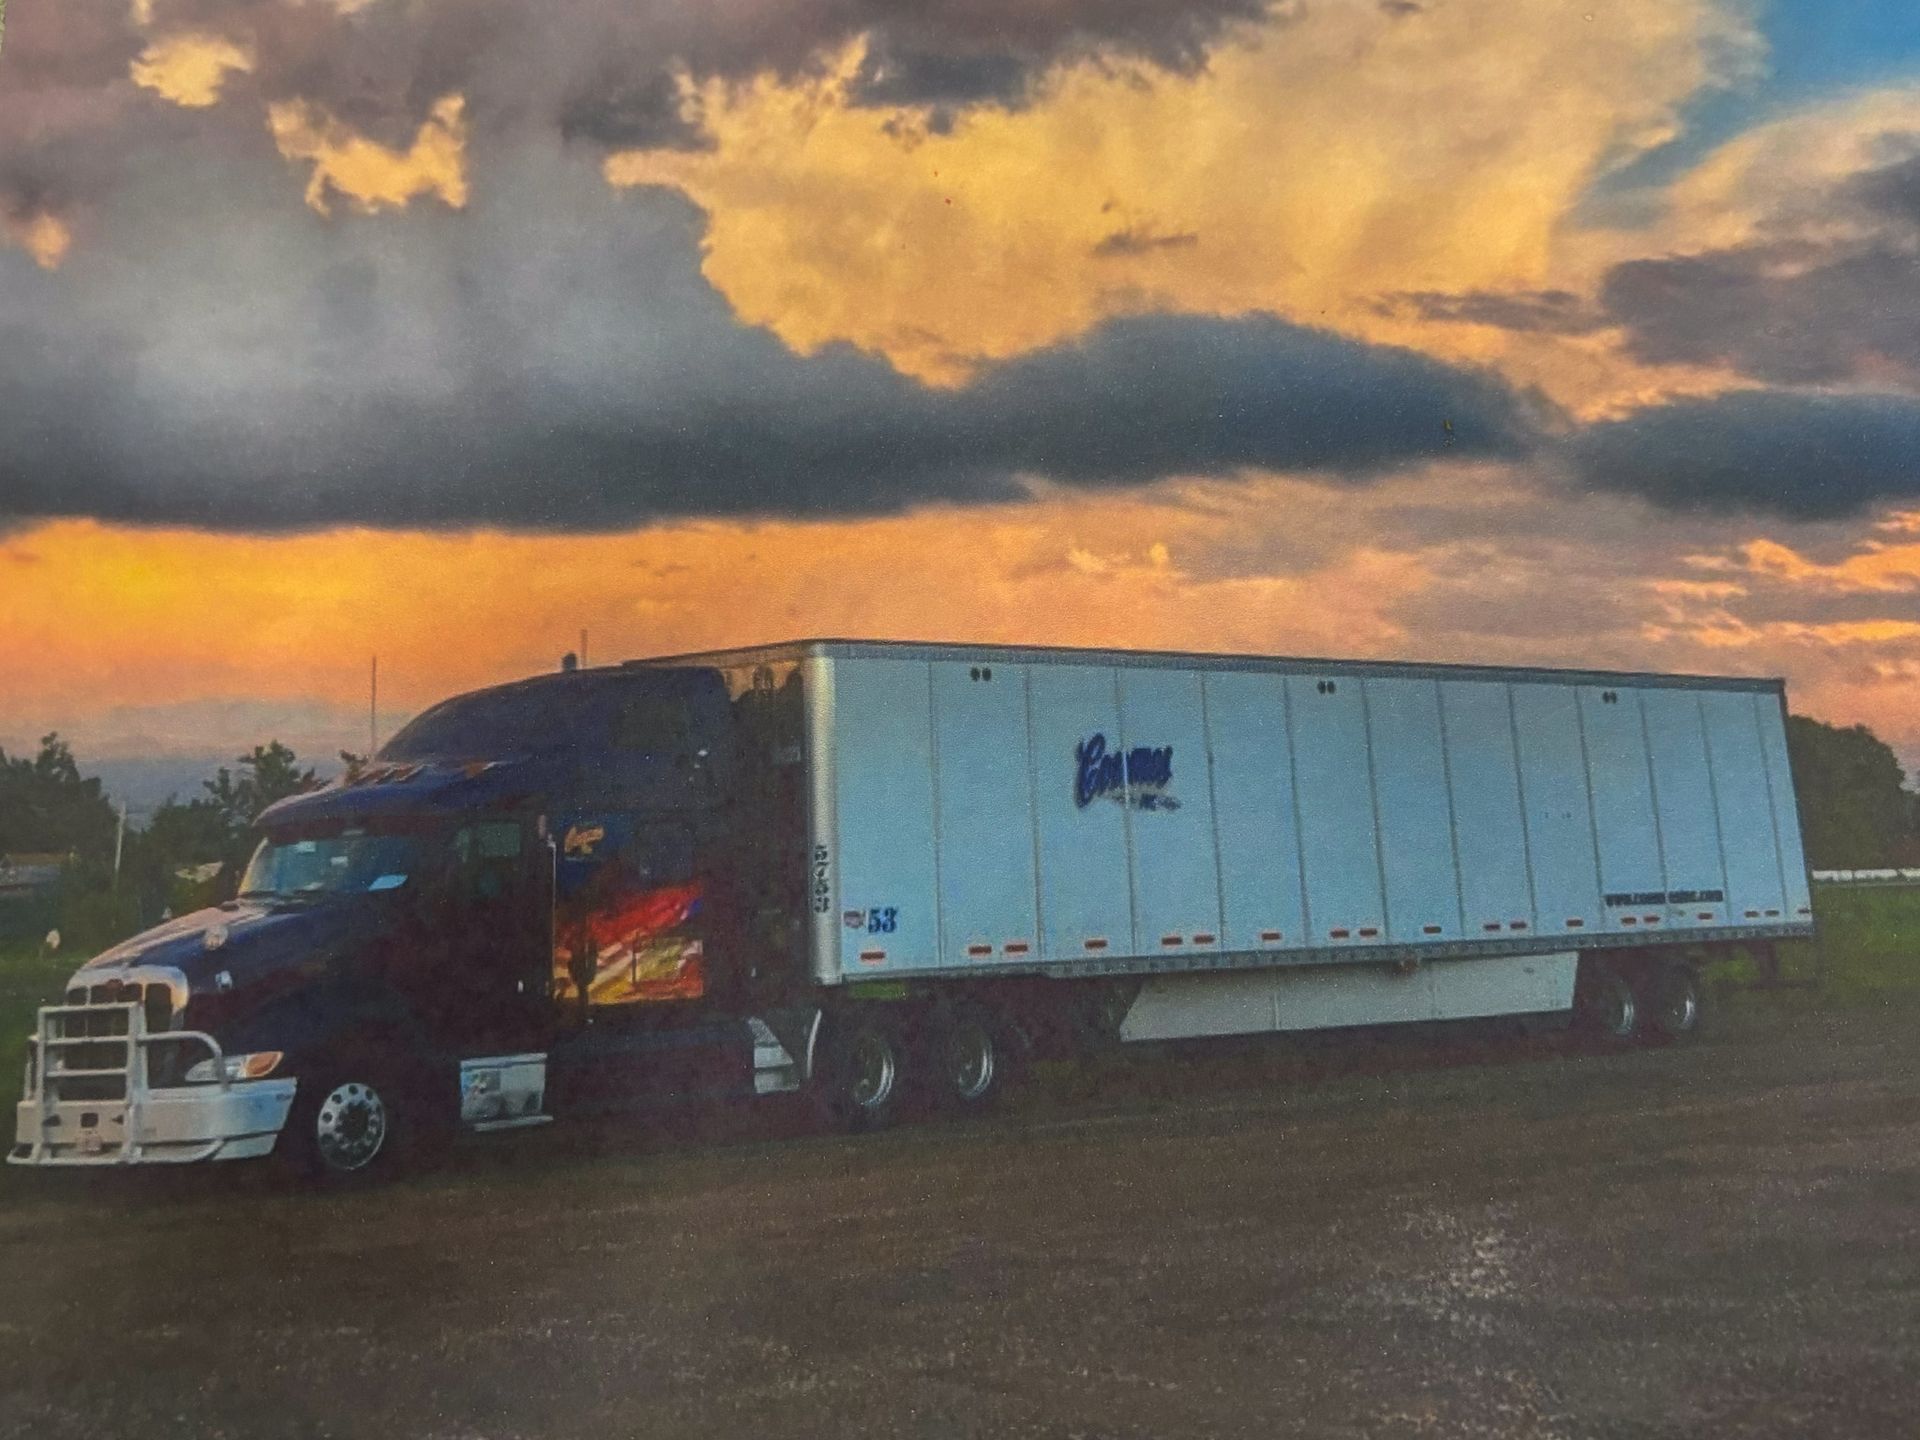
[(257, 1066)]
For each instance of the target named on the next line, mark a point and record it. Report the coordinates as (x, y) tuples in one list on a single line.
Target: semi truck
[(888, 874)]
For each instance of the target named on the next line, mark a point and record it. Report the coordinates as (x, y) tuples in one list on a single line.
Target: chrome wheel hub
[(1614, 1006), (1682, 1009), (873, 1072), (351, 1126), (970, 1061)]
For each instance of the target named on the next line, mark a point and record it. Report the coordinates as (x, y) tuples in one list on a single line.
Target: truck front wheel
[(345, 1126)]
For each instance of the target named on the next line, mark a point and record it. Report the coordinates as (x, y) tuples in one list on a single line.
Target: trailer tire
[(973, 1058), (1609, 1006), (1672, 1003), (867, 1072)]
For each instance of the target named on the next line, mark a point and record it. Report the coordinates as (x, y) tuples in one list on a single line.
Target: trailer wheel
[(865, 1073), (973, 1058), (1609, 1009), (1672, 1002)]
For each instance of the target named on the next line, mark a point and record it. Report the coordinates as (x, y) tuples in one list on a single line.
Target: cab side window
[(486, 858), (652, 724)]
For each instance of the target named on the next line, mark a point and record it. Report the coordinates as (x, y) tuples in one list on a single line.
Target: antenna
[(373, 709), (583, 647)]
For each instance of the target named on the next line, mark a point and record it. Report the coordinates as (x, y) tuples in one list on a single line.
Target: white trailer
[(1274, 844)]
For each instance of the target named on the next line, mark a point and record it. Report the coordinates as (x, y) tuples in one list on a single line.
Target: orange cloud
[(1341, 156), (45, 237), (196, 617), (1466, 563), (1877, 568), (371, 175), (189, 69)]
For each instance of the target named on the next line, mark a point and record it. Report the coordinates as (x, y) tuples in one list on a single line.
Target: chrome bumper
[(89, 1099)]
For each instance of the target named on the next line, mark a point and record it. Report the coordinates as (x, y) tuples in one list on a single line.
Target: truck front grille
[(100, 1013), (154, 997)]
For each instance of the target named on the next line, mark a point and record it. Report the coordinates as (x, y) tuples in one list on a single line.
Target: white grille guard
[(58, 1124)]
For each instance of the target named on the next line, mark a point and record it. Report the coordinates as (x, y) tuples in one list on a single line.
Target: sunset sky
[(1535, 331)]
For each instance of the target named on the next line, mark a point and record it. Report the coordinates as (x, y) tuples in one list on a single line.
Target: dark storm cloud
[(891, 74), (1143, 242), (1791, 314), (1802, 456), (604, 69), (1550, 312), (493, 367), (620, 111), (1892, 190), (947, 53), (63, 90), (1828, 294), (1156, 395)]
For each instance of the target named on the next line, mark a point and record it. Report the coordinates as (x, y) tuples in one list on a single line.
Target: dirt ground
[(1408, 1240)]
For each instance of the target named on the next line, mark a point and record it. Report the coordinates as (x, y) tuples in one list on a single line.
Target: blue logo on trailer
[(1138, 777)]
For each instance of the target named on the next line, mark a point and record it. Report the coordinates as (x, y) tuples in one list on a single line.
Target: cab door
[(495, 922), (629, 977)]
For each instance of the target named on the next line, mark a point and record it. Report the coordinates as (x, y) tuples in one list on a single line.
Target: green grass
[(1869, 946), (28, 980)]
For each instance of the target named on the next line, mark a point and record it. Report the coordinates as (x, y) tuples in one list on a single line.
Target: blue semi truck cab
[(883, 873), (578, 893)]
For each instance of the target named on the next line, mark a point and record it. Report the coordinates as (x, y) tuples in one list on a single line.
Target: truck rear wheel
[(866, 1071), (973, 1058), (1671, 1001)]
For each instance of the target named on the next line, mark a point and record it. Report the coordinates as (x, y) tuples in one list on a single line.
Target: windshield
[(347, 864)]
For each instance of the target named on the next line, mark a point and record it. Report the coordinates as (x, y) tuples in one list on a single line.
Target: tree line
[(187, 854), (1855, 811)]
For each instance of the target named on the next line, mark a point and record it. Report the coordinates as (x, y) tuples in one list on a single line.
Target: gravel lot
[(1410, 1239)]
